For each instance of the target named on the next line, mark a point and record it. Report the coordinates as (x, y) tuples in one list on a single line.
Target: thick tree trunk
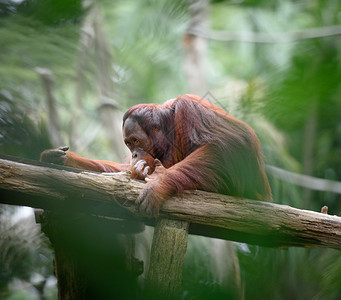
[(53, 124), (195, 48), (94, 46)]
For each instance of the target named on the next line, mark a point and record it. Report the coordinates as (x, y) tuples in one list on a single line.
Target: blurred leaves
[(314, 75), (23, 250), (276, 88), (19, 135), (52, 12)]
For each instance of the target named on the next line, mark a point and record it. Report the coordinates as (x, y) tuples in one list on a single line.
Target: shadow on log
[(267, 224)]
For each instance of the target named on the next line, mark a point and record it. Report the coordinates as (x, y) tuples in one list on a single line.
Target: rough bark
[(168, 254), (214, 215)]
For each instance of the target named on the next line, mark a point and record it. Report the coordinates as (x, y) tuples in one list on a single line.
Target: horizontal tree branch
[(113, 195), (266, 38), (309, 182)]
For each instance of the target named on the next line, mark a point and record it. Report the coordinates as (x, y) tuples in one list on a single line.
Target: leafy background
[(120, 53)]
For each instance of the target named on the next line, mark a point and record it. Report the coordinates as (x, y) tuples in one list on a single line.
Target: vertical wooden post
[(167, 257)]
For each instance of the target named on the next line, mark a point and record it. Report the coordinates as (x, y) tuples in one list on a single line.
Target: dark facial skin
[(135, 138), (144, 164), (140, 146)]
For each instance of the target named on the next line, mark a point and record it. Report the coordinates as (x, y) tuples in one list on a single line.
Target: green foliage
[(19, 135), (27, 44), (23, 252), (282, 87), (147, 48), (52, 12)]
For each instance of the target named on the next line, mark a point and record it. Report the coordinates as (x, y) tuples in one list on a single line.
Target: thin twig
[(258, 37), (309, 182)]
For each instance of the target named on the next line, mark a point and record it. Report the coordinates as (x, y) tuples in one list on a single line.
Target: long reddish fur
[(77, 161), (203, 147)]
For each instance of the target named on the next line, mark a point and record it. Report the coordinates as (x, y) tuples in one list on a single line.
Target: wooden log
[(167, 257), (209, 214)]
